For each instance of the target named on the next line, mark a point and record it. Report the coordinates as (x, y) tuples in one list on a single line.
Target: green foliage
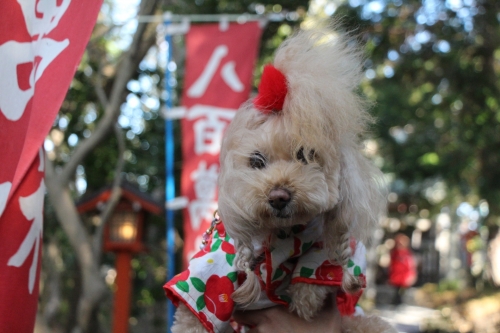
[(449, 285), (432, 70)]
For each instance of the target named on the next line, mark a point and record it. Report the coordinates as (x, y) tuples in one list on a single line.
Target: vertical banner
[(41, 43), (219, 67)]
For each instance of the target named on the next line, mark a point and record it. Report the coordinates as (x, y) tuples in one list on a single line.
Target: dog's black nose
[(279, 198)]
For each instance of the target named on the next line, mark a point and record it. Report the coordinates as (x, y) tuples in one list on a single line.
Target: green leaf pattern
[(230, 258), (277, 274), (306, 246), (233, 276), (198, 284), (183, 285), (216, 245), (200, 303), (306, 272)]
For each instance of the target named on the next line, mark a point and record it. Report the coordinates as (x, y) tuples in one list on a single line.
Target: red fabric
[(402, 270), (347, 302), (20, 252), (272, 90), (41, 43), (219, 68)]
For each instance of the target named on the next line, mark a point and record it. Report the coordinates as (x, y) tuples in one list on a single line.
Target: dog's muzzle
[(279, 198)]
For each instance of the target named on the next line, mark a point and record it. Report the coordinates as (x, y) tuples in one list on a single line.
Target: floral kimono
[(285, 258)]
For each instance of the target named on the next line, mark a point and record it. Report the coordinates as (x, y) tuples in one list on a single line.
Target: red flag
[(41, 43), (219, 67)]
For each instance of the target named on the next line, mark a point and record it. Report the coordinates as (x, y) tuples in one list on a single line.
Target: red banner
[(219, 68), (41, 43)]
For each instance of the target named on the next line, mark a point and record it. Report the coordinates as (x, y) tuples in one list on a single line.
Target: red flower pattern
[(228, 248), (329, 272), (218, 296)]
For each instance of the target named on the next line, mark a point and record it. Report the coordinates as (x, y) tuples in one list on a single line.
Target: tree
[(432, 71), (436, 92)]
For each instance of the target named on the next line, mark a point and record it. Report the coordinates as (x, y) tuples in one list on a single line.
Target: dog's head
[(286, 167), (271, 177)]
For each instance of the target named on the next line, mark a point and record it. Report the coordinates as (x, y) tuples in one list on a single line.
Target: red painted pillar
[(121, 309)]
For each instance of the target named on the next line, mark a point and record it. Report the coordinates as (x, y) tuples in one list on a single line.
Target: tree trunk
[(86, 246), (93, 286)]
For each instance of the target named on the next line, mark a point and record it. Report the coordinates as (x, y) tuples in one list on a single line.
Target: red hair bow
[(272, 90)]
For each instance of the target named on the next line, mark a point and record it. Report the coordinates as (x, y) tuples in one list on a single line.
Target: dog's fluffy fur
[(312, 150)]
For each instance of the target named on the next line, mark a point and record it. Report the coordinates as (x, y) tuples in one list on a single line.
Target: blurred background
[(431, 72)]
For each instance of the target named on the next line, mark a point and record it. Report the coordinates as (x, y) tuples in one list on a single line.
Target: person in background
[(402, 269)]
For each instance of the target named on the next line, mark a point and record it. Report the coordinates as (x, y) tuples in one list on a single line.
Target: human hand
[(279, 320)]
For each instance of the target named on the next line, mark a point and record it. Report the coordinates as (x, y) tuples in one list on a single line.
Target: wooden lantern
[(123, 235)]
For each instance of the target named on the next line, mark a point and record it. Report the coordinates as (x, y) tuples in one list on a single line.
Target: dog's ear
[(249, 291), (361, 202)]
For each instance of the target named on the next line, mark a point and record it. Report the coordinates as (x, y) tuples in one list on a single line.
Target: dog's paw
[(307, 299)]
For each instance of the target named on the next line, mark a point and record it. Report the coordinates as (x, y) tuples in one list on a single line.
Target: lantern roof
[(130, 193)]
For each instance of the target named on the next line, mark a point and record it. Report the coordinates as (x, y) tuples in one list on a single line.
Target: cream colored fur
[(325, 117), (186, 322), (369, 324)]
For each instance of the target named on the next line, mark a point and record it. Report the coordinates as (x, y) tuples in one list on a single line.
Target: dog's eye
[(257, 160), (312, 155), (300, 155)]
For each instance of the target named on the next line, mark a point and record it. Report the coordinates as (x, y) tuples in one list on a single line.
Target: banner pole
[(170, 180), (240, 18)]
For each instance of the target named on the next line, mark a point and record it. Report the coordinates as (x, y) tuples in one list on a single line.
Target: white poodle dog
[(296, 195)]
